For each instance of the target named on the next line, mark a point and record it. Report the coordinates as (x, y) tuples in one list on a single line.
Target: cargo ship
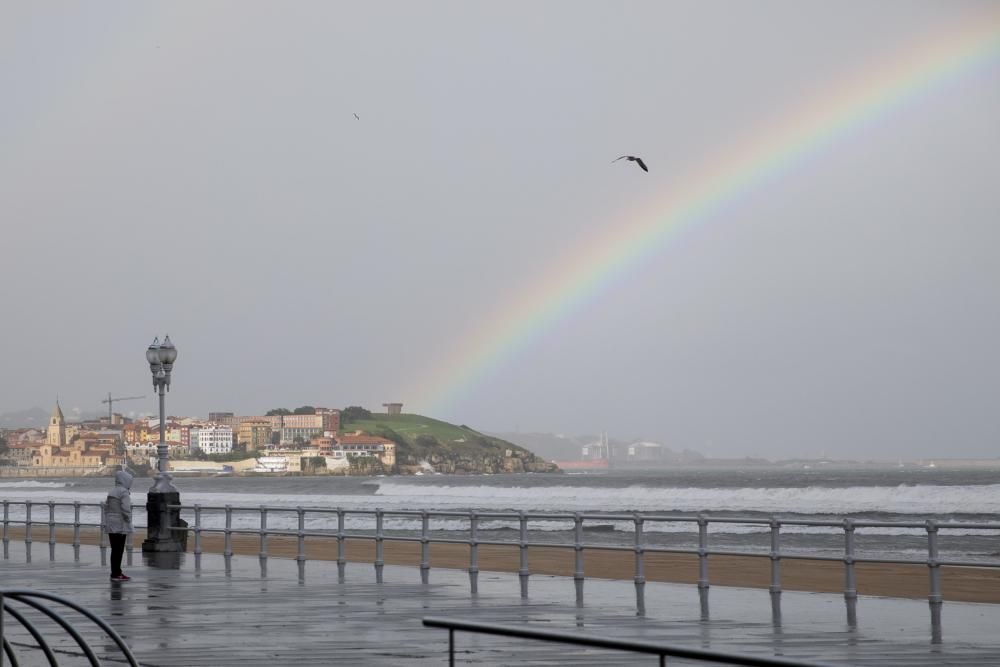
[(583, 466), (596, 456)]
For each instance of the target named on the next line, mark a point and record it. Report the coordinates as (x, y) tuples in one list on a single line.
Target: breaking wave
[(33, 484), (902, 499)]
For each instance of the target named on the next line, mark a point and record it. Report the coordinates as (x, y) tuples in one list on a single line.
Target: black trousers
[(117, 549)]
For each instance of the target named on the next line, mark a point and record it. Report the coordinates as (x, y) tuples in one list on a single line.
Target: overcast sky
[(196, 169)]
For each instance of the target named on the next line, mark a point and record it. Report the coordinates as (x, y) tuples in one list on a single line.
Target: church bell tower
[(56, 434)]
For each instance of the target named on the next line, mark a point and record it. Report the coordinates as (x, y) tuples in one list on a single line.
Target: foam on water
[(33, 484), (901, 499)]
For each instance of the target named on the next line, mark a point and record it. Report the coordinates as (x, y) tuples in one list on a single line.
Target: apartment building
[(301, 427), (255, 434), (212, 439)]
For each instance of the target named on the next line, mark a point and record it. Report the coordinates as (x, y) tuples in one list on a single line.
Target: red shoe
[(119, 577), (125, 577)]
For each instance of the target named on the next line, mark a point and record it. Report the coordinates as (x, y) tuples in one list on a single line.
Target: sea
[(904, 494)]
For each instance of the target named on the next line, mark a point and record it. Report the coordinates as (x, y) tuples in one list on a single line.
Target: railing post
[(197, 538), (197, 529), (76, 530), (263, 541), (933, 565), (850, 584), (578, 556), (702, 552), (379, 562), (473, 553), (341, 551), (103, 538), (640, 572), (129, 548), (300, 558), (6, 529), (775, 556), (425, 561), (27, 531), (27, 523), (52, 530), (523, 573), (227, 541)]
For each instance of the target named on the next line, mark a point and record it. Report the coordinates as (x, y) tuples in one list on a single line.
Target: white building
[(646, 451), (212, 439), (272, 464)]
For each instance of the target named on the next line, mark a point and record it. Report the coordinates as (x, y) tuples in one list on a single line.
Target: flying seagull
[(632, 158), (357, 116)]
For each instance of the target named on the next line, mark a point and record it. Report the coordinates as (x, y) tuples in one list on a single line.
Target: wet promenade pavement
[(203, 616)]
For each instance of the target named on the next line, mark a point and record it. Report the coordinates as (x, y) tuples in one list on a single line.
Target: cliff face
[(447, 448), (449, 462)]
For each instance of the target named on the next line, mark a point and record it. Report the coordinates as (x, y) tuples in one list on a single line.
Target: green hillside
[(447, 447)]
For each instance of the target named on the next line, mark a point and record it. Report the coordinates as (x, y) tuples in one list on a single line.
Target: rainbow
[(597, 262)]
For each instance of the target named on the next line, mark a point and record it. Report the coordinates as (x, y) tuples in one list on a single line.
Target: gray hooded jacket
[(118, 510)]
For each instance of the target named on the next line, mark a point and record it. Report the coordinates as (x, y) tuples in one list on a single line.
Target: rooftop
[(361, 439)]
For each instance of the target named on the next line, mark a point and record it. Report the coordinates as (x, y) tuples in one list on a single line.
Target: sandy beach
[(959, 584)]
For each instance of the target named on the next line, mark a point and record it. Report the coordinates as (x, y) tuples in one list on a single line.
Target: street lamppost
[(161, 357), (162, 518)]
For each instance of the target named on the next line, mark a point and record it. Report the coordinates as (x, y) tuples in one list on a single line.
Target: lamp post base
[(162, 520)]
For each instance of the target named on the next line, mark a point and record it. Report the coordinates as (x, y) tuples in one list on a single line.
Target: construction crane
[(111, 401)]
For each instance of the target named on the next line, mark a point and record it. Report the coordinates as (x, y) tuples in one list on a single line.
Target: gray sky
[(196, 169)]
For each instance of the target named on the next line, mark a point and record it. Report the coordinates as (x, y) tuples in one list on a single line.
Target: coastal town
[(308, 440)]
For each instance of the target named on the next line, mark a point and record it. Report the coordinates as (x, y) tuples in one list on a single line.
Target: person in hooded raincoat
[(118, 521)]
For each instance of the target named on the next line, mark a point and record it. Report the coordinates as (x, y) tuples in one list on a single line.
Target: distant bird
[(357, 116), (632, 158)]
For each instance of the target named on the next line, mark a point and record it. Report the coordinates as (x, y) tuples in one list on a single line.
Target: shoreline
[(722, 464), (958, 584)]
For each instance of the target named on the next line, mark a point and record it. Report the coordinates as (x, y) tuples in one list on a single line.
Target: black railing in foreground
[(37, 600), (663, 651)]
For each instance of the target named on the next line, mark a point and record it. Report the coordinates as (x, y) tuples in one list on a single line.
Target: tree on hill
[(278, 412), (354, 413), (304, 410), (389, 434), (3, 444)]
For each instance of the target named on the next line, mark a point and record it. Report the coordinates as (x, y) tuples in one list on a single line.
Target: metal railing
[(663, 651), (37, 600), (294, 521), (639, 548), (71, 518)]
